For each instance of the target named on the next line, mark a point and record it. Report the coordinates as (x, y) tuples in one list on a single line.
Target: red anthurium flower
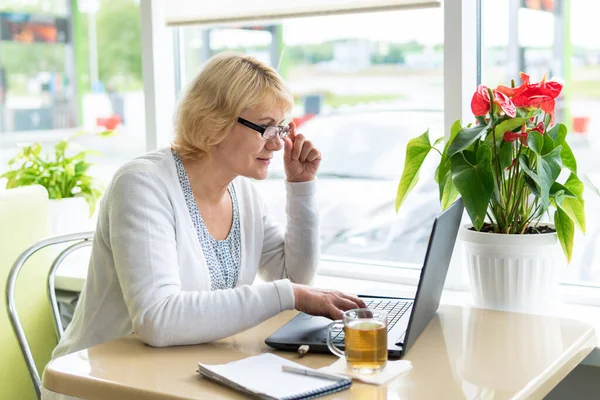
[(505, 104), (539, 128), (545, 102), (510, 136), (540, 95), (480, 103), (511, 92)]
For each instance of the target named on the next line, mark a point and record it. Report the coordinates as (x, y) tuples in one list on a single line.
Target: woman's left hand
[(300, 157)]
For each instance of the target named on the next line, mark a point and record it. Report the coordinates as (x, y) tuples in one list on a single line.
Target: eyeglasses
[(268, 132)]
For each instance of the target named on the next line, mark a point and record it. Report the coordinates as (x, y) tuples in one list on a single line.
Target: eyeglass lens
[(273, 131)]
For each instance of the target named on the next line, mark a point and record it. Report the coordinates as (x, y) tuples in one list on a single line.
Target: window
[(557, 38), (361, 94), (91, 80)]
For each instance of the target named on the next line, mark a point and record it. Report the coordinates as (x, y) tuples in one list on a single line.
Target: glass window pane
[(100, 76), (363, 85), (556, 38)]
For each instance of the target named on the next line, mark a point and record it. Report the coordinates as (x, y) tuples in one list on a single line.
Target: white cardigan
[(147, 273)]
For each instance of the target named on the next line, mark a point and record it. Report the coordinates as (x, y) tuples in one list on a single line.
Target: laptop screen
[(434, 271)]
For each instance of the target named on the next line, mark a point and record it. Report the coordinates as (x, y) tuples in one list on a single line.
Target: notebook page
[(263, 374)]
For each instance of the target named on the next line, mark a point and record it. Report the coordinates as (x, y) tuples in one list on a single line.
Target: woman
[(182, 232)]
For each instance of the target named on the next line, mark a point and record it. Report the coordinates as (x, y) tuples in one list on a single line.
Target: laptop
[(407, 318)]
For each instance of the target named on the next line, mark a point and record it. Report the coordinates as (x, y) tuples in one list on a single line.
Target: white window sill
[(398, 273)]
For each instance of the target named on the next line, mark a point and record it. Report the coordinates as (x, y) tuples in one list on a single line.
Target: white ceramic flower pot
[(513, 272), (68, 215)]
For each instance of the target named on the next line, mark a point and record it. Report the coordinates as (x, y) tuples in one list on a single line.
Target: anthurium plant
[(61, 172), (511, 166)]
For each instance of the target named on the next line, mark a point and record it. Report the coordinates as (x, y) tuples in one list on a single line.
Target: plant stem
[(517, 204), (531, 213), (491, 220), (513, 174), (496, 160)]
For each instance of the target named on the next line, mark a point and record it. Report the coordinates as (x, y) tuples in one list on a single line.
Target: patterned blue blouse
[(222, 256)]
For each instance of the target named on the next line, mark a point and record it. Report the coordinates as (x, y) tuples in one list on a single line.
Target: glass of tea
[(364, 334)]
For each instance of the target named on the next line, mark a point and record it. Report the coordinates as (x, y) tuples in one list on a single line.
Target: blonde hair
[(228, 84)]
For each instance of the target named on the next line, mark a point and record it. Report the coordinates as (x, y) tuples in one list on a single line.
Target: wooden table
[(464, 353)]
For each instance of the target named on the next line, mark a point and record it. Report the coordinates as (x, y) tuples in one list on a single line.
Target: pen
[(312, 372)]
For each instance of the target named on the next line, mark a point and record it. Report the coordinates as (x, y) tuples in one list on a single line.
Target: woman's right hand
[(324, 303)]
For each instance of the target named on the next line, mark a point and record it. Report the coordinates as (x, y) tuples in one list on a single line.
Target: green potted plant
[(518, 179), (72, 191)]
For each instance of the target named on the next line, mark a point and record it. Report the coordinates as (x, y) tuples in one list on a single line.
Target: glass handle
[(330, 344)]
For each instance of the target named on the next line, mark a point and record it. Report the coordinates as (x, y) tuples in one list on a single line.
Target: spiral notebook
[(262, 377)]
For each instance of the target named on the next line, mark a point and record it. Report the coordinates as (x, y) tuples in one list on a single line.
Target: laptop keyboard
[(395, 309)]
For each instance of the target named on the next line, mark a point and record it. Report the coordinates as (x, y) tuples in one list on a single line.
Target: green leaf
[(448, 192), (465, 138), (60, 149), (536, 142), (70, 170), (549, 144), (36, 150), (575, 207), (568, 158), (559, 197), (107, 133), (547, 169), (557, 187), (53, 193), (416, 152), (79, 156), (81, 167), (524, 164), (509, 125), (575, 185), (79, 133), (439, 140), (9, 174), (565, 231), (472, 175), (558, 133), (506, 155)]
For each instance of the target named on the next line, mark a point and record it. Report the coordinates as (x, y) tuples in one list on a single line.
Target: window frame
[(181, 12)]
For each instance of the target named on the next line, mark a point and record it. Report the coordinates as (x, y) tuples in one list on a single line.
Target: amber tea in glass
[(365, 339)]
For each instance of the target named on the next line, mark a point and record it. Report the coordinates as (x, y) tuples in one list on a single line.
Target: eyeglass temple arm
[(251, 125)]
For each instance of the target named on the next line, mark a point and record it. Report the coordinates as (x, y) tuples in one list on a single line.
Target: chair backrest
[(23, 220), (81, 240), (30, 300)]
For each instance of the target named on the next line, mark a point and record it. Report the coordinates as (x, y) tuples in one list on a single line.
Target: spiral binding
[(333, 388)]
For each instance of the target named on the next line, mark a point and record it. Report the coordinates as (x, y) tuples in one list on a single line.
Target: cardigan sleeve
[(292, 252), (141, 236)]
